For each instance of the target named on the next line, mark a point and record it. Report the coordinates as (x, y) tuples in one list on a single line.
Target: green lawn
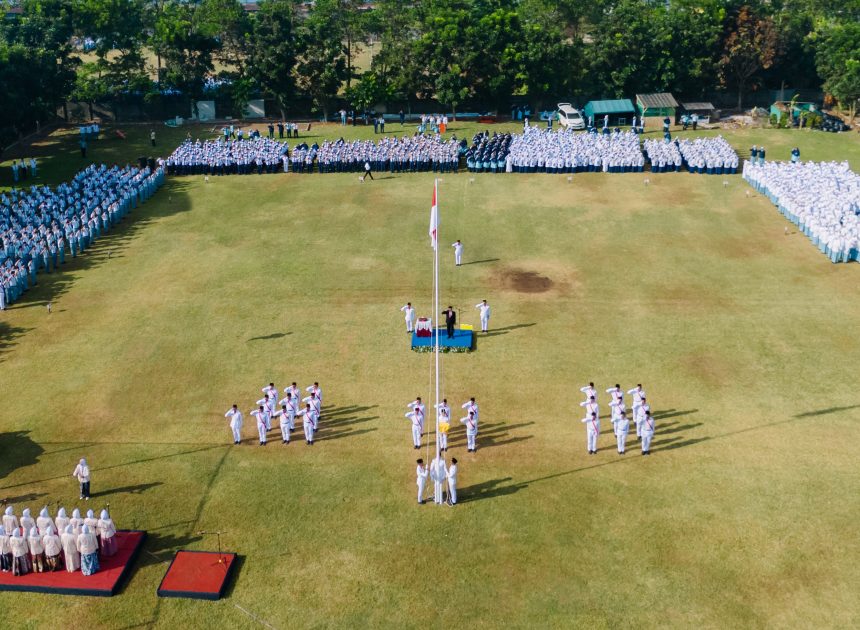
[(745, 339)]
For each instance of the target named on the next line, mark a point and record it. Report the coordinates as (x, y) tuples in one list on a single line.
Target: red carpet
[(197, 574), (104, 583)]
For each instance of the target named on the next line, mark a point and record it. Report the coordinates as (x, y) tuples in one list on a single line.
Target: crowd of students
[(40, 226), (821, 198), (545, 151), (47, 544)]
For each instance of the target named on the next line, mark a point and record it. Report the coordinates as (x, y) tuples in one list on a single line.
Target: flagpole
[(436, 310)]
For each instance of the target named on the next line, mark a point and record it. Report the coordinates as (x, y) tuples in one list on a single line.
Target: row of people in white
[(48, 544), (441, 474), (416, 417), (641, 411), (287, 410), (483, 309)]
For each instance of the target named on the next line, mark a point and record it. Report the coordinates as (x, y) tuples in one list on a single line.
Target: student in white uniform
[(235, 423), (591, 407), (485, 314), (265, 404), (622, 427), (316, 407), (589, 391), (452, 482), (416, 416), (458, 252), (284, 416), (291, 402), (638, 396), (647, 433), (262, 419), (471, 431), (409, 316), (417, 403), (420, 479), (71, 555), (439, 475), (592, 432), (316, 391), (307, 415), (473, 407)]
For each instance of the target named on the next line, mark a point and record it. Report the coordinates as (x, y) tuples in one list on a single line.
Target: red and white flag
[(434, 219)]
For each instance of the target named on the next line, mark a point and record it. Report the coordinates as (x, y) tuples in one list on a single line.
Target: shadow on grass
[(137, 489), (491, 435), (23, 498), (499, 487), (171, 199), (9, 336), (672, 413), (160, 548), (823, 412), (480, 262), (18, 450), (502, 331), (269, 337), (122, 465)]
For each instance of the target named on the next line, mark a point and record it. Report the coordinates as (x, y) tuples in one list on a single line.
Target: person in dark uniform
[(280, 129), (271, 130), (402, 118), (450, 320)]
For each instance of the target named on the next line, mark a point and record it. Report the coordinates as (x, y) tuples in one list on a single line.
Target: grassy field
[(745, 339)]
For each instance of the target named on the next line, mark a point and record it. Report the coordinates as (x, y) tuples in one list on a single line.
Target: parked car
[(569, 116)]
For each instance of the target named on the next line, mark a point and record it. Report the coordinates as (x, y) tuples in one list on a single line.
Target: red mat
[(198, 574), (105, 583)]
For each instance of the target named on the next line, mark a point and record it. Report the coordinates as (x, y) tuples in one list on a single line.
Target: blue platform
[(462, 341)]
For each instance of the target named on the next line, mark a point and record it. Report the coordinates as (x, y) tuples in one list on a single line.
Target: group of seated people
[(47, 544), (545, 151), (821, 198), (227, 157), (39, 225), (714, 156)]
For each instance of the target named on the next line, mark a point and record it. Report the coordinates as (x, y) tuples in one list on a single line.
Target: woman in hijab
[(107, 534), (20, 553), (27, 522), (70, 549), (5, 552), (93, 523), (44, 522), (82, 474), (37, 550), (76, 522), (61, 521), (53, 549), (10, 521), (89, 548)]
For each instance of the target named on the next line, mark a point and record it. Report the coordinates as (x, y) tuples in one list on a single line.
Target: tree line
[(455, 51)]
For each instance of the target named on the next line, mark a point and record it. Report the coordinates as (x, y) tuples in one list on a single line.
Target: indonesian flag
[(434, 219)]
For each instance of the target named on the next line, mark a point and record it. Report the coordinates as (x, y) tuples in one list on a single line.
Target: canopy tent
[(620, 111)]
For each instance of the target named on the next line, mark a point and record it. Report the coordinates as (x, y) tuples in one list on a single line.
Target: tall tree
[(273, 52), (321, 58), (184, 40), (837, 56), (750, 47)]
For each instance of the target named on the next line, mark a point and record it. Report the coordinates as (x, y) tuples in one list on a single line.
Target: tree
[(117, 27), (273, 52), (846, 87), (367, 91), (182, 38), (749, 48), (321, 58)]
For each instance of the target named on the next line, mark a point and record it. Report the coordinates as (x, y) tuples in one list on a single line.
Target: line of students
[(641, 411), (287, 410), (47, 544)]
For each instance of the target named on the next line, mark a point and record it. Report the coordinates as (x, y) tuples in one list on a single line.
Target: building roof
[(612, 106), (699, 106), (657, 101)]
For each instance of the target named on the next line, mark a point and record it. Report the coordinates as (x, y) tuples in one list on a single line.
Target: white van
[(570, 117)]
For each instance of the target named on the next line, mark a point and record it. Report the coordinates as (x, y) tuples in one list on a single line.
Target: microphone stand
[(218, 534)]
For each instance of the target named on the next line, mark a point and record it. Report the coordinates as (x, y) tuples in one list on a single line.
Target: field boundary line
[(255, 617)]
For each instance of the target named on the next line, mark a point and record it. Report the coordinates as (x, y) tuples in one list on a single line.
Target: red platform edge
[(112, 573), (198, 575)]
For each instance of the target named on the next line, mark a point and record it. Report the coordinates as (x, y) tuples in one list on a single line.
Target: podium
[(424, 327)]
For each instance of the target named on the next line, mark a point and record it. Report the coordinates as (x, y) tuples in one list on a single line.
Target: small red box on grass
[(198, 575)]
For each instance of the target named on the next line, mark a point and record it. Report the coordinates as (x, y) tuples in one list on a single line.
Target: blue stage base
[(462, 341)]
